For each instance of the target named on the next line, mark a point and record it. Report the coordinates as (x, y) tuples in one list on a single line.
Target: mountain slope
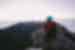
[(18, 34)]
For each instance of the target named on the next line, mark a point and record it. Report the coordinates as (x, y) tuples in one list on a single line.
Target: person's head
[(49, 18)]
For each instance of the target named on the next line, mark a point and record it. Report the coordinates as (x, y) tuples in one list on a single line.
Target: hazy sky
[(35, 10), (30, 9)]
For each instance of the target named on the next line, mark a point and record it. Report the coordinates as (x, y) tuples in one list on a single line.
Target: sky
[(36, 9), (12, 11)]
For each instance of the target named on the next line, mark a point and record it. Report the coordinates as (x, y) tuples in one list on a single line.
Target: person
[(50, 29), (50, 26)]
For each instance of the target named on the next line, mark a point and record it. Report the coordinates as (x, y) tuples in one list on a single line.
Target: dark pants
[(50, 36)]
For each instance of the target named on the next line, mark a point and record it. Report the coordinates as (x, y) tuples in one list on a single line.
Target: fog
[(13, 11)]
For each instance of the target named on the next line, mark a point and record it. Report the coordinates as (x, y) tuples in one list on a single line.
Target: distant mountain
[(18, 34), (22, 27), (22, 30)]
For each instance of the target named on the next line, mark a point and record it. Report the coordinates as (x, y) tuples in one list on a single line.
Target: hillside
[(20, 34)]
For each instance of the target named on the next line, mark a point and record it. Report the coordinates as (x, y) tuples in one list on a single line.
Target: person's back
[(50, 29)]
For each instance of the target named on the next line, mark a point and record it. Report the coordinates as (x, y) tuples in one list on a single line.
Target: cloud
[(20, 10)]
